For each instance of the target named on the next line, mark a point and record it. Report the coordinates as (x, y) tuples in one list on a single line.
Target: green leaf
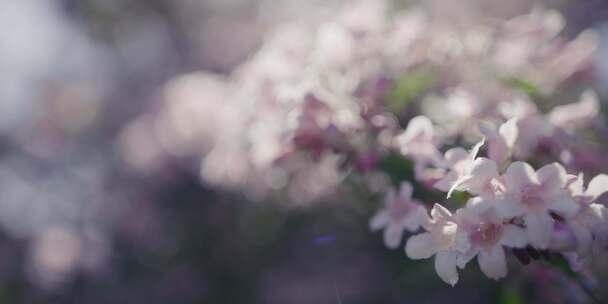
[(510, 295)]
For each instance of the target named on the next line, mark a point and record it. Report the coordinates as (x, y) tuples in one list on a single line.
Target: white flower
[(442, 240), (487, 235), (478, 176), (590, 213), (400, 212), (468, 173), (533, 195), (500, 141)]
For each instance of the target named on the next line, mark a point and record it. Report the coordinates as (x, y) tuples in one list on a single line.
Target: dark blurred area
[(80, 225)]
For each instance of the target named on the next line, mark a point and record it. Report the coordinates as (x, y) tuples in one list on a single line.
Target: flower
[(487, 236), (400, 212), (458, 161), (443, 241), (535, 196), (478, 176), (590, 213), (500, 141)]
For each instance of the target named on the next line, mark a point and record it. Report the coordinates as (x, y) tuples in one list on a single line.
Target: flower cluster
[(544, 209), (326, 98)]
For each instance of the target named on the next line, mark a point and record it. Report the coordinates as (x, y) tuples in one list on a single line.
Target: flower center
[(486, 235), (399, 210)]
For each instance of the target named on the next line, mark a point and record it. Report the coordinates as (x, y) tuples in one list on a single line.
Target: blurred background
[(92, 211)]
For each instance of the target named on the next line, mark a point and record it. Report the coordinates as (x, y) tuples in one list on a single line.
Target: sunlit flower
[(443, 240), (590, 213), (535, 196), (488, 235), (500, 141)]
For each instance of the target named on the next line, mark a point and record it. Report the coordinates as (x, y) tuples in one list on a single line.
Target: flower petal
[(493, 263), (519, 175), (392, 236), (509, 207), (445, 265), (420, 246), (597, 186), (440, 213), (509, 132), (552, 176), (540, 229), (482, 172), (379, 220), (513, 236)]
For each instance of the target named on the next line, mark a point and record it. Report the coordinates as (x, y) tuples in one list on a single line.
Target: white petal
[(575, 184), (509, 207), (420, 246), (392, 236), (519, 175), (440, 213), (552, 176), (482, 172), (513, 236), (475, 150), (445, 265), (493, 263), (379, 220), (509, 132), (540, 229), (597, 186)]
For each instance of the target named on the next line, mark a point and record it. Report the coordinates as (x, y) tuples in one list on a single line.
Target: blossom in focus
[(500, 141), (535, 196), (590, 213), (488, 235), (442, 240)]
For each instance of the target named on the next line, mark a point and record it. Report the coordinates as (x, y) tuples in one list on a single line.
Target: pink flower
[(500, 141), (534, 196), (590, 213), (487, 235), (400, 212), (442, 240), (478, 176), (458, 161)]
